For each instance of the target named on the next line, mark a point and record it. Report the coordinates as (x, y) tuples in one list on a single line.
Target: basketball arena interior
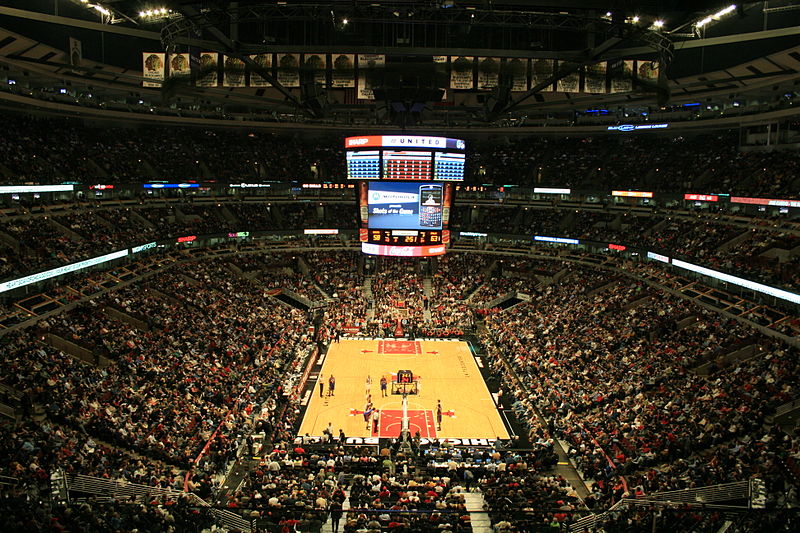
[(393, 265)]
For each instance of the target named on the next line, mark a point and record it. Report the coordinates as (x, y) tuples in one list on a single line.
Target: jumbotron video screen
[(406, 191)]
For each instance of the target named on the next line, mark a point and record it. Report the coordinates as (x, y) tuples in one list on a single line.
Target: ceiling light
[(716, 16), (658, 23)]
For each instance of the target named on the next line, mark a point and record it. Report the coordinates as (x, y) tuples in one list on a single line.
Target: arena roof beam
[(591, 57), (232, 48), (96, 26)]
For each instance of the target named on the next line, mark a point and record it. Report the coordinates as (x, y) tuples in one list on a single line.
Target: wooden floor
[(447, 371)]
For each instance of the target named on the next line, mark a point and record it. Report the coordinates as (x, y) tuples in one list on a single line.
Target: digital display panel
[(410, 206), (406, 165), (448, 166), (364, 165)]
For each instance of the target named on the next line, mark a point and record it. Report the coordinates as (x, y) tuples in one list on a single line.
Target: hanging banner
[(488, 72), (647, 70), (208, 76), (518, 68), (153, 68), (233, 72), (344, 71), (75, 52), (370, 71), (316, 64), (542, 69), (265, 62), (289, 70), (595, 81), (442, 75), (461, 72), (570, 83), (179, 65), (621, 75)]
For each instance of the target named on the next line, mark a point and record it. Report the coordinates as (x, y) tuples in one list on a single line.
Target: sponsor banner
[(60, 271), (208, 76), (288, 69), (171, 185), (741, 282), (472, 234), (551, 190), (232, 72), (631, 127), (143, 247), (320, 232), (557, 240), (657, 257), (179, 66), (265, 62), (647, 70), (632, 194), (18, 189), (488, 72), (370, 70), (415, 141), (402, 251), (621, 75), (541, 69), (343, 71), (75, 52), (701, 197), (318, 64), (595, 78), (570, 83), (461, 72), (518, 68), (775, 202), (153, 68), (617, 247)]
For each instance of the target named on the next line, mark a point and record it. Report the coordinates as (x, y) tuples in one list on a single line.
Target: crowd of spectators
[(644, 413), (179, 154)]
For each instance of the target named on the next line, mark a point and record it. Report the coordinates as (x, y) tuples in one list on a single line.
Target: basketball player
[(367, 414), (331, 385), (368, 386), (384, 384), (439, 414)]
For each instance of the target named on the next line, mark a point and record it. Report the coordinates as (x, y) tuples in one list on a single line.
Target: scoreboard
[(405, 157), (405, 191)]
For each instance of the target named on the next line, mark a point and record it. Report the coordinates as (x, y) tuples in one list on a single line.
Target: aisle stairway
[(326, 527), (478, 517), (369, 297), (427, 290)]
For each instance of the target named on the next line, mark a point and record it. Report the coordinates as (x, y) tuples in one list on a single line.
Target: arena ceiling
[(697, 60)]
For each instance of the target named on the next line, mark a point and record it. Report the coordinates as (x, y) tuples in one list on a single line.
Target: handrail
[(787, 407), (121, 489), (725, 492)]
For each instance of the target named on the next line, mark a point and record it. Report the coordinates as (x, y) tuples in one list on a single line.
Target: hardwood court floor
[(447, 371)]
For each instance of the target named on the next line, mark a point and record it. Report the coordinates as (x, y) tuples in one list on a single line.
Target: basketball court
[(441, 370)]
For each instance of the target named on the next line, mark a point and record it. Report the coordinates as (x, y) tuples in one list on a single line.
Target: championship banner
[(369, 74), (265, 62), (570, 83), (318, 64), (440, 63), (488, 72), (153, 68), (595, 81), (179, 65), (233, 72), (518, 68), (647, 70), (75, 52), (289, 70), (343, 75), (208, 76), (461, 72), (621, 75), (541, 70)]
